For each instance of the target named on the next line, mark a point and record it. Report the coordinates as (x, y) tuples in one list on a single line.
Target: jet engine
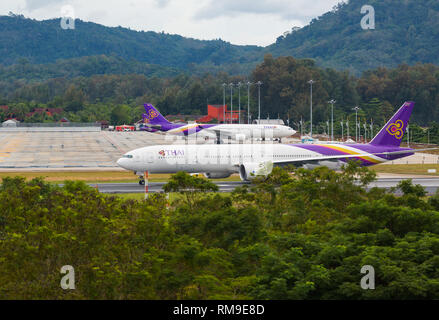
[(217, 175), (249, 171)]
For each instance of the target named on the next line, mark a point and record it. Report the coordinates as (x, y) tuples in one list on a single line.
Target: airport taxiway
[(430, 184), (156, 187)]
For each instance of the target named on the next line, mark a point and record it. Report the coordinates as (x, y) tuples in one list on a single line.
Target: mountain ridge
[(45, 42), (407, 31)]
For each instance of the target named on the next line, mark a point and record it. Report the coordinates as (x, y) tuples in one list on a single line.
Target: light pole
[(301, 128), (327, 125), (248, 101), (224, 103), (231, 102), (259, 83), (347, 128), (342, 131), (356, 122), (365, 132), (371, 129), (311, 82), (239, 95), (332, 102)]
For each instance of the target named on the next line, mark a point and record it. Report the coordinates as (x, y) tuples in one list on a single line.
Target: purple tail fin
[(153, 116), (395, 129)]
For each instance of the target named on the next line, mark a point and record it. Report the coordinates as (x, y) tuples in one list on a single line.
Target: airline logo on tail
[(396, 129), (393, 132), (152, 114)]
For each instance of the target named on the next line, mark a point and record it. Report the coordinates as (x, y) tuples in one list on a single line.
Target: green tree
[(121, 115), (189, 186)]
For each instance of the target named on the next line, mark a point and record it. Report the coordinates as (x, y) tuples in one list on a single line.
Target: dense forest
[(46, 42), (81, 67), (407, 32), (94, 95), (305, 236)]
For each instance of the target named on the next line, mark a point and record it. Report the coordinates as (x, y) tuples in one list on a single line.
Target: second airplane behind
[(154, 121)]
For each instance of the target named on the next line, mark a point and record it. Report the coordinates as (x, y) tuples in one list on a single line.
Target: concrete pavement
[(431, 185)]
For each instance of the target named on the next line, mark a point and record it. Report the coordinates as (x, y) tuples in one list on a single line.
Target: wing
[(219, 132)]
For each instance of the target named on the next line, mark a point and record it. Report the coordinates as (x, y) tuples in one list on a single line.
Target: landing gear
[(142, 182), (218, 138)]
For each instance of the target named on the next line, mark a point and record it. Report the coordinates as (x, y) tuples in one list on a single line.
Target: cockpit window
[(128, 156)]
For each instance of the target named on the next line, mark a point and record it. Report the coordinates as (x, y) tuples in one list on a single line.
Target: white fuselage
[(234, 131), (225, 158)]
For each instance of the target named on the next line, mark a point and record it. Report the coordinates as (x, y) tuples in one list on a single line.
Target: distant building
[(215, 114), (11, 123), (220, 113), (55, 110), (50, 112)]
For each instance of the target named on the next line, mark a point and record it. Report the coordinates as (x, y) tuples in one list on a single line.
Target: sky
[(244, 22)]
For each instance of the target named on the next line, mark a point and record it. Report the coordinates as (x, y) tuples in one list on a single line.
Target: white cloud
[(285, 9), (32, 5), (257, 22), (163, 3)]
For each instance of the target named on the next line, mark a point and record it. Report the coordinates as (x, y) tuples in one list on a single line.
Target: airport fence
[(56, 127)]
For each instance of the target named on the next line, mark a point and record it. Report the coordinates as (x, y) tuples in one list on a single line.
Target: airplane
[(154, 121), (253, 160)]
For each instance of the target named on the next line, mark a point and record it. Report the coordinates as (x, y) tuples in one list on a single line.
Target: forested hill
[(407, 31), (82, 67), (45, 42)]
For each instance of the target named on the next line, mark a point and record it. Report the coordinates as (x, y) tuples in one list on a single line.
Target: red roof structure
[(216, 112), (50, 111)]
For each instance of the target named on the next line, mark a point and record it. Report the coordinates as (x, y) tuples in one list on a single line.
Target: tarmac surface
[(431, 185), (95, 151), (71, 150), (91, 150), (156, 187)]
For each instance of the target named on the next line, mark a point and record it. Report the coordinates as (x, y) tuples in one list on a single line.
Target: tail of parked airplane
[(393, 132), (153, 116)]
